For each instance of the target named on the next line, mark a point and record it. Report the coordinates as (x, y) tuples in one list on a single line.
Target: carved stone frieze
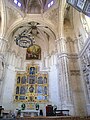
[(85, 63), (85, 60), (75, 72)]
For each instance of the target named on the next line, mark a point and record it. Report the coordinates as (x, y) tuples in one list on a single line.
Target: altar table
[(31, 113)]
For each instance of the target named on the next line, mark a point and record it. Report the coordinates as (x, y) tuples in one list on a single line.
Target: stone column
[(64, 83), (64, 77), (3, 44), (63, 70)]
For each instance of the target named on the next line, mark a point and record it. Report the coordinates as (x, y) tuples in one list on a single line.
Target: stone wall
[(85, 62)]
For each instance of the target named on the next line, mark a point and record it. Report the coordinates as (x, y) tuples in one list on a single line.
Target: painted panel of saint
[(31, 89), (23, 90), (45, 90), (39, 89), (31, 79), (32, 70), (33, 52), (23, 80), (40, 80)]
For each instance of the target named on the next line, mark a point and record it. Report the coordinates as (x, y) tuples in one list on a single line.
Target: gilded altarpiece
[(31, 86)]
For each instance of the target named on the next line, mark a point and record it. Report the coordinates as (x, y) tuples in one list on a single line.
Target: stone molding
[(59, 39), (3, 39), (75, 72), (70, 56), (87, 43)]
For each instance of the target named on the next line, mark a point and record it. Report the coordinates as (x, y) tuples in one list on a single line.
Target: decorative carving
[(85, 25), (31, 86), (85, 61), (87, 80), (75, 72)]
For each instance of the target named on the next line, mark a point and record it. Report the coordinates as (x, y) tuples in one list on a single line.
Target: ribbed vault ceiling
[(35, 29), (31, 6), (28, 5)]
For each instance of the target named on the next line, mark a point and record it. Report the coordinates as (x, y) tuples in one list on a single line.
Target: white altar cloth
[(31, 112)]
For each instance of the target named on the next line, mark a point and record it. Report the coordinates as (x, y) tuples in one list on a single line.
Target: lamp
[(24, 39)]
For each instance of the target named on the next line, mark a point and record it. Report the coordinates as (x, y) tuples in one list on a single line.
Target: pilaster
[(85, 72), (1, 74), (3, 44), (64, 82)]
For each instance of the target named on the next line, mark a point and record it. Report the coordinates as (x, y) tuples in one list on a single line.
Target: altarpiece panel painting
[(33, 52), (32, 85)]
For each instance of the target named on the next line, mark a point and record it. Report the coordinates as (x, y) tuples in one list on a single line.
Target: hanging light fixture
[(24, 39), (25, 35)]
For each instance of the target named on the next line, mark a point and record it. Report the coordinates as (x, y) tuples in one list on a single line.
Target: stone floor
[(7, 118), (48, 118), (54, 118)]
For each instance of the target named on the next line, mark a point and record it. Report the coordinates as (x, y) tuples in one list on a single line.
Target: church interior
[(44, 59)]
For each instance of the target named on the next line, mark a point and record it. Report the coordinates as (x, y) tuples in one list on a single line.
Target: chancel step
[(54, 118)]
